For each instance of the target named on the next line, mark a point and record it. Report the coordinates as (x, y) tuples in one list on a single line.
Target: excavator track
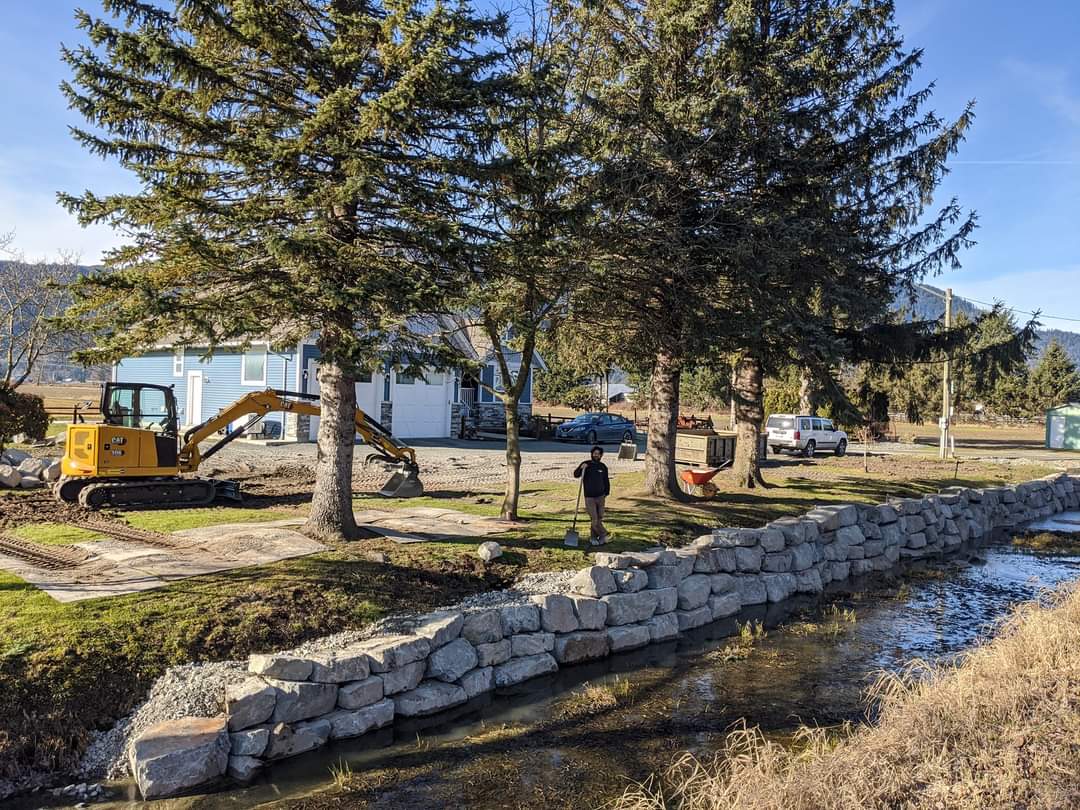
[(163, 492), (53, 558)]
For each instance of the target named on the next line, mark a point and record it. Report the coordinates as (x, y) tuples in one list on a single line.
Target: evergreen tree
[(297, 165), (662, 142), (1053, 381)]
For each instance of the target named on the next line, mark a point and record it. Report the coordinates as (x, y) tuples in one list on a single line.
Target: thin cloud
[(1051, 85)]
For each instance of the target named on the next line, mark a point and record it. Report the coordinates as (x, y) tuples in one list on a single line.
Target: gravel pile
[(187, 690), (198, 689)]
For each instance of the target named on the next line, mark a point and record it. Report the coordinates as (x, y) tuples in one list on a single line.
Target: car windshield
[(585, 417), (780, 422)]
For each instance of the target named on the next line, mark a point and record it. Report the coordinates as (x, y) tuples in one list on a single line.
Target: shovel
[(572, 538)]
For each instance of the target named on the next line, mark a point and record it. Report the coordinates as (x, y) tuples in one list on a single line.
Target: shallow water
[(547, 744)]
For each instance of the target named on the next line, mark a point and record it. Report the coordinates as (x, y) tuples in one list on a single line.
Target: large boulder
[(340, 666), (629, 636), (354, 722), (667, 599), (403, 678), (428, 698), (629, 580), (689, 619), (452, 661), (52, 472), (519, 619), (557, 613), (440, 628), (517, 670), (296, 700), (32, 467), (664, 576), (30, 482), (694, 591), (751, 590), (358, 694), (393, 652), (582, 645), (9, 476), (628, 608), (595, 580), (723, 605), (482, 627), (662, 627), (478, 681), (280, 666), (489, 550), (591, 613), (249, 703), (488, 655), (526, 644), (250, 742), (170, 757), (289, 740)]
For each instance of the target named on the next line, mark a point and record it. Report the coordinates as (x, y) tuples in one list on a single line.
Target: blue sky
[(1019, 169)]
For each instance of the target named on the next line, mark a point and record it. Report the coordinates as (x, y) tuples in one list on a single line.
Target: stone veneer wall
[(292, 704)]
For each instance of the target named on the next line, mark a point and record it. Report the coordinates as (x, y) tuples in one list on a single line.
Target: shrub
[(583, 398), (21, 413)]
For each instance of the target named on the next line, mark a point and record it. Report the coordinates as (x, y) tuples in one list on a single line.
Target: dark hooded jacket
[(595, 483)]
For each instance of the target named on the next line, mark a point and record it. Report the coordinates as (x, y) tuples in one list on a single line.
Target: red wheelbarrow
[(696, 478)]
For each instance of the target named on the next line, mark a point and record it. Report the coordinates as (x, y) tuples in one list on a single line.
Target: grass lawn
[(66, 669)]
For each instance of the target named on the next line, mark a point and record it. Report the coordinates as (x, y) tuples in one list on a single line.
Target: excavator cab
[(140, 405)]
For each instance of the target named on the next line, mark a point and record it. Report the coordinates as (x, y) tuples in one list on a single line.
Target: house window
[(178, 362), (363, 377), (407, 379), (253, 367)]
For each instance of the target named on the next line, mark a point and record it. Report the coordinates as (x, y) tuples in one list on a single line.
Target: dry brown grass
[(998, 729)]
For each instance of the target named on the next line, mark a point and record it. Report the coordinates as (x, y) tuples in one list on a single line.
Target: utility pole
[(946, 386)]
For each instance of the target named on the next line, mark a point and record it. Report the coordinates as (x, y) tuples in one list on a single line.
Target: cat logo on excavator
[(137, 457)]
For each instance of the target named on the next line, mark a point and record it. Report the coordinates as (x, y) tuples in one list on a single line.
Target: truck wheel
[(627, 437), (842, 447), (775, 450), (811, 448)]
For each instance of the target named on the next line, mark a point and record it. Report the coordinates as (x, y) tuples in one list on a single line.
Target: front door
[(193, 403)]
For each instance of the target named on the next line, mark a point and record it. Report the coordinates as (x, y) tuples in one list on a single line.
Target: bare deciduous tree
[(32, 294)]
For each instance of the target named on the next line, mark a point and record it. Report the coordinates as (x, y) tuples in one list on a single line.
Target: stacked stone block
[(293, 703)]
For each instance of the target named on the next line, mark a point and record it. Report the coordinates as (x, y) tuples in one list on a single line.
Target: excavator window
[(140, 405)]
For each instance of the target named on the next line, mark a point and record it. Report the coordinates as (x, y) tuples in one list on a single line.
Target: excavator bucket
[(403, 484)]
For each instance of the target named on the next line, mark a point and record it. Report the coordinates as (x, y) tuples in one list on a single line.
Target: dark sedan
[(597, 428)]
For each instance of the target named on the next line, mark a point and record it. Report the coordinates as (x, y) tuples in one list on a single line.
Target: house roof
[(459, 331)]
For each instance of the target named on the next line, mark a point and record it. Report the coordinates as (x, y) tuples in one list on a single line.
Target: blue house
[(435, 404)]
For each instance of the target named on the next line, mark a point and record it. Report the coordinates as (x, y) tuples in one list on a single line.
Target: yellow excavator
[(136, 456)]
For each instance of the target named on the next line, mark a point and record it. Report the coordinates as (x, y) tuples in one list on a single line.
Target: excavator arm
[(260, 403)]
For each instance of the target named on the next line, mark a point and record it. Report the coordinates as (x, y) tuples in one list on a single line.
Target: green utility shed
[(1063, 427)]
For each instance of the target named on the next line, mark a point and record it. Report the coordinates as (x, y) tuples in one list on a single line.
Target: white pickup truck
[(804, 434)]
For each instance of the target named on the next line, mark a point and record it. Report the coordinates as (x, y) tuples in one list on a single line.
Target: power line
[(941, 295)]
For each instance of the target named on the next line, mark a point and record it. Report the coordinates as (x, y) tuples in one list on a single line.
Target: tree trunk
[(749, 414), (807, 393), (663, 419), (509, 509), (331, 516)]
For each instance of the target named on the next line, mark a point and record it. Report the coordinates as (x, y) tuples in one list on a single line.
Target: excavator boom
[(127, 463)]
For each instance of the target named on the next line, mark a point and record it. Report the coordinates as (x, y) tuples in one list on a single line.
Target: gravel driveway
[(444, 463)]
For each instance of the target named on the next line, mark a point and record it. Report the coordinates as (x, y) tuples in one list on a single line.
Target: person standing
[(596, 487)]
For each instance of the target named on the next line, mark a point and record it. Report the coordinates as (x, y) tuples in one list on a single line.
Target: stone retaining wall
[(292, 704)]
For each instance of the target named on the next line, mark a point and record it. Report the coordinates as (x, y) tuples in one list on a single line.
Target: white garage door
[(421, 406), (367, 395)]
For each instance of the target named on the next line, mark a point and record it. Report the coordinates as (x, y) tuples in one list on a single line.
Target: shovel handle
[(577, 506)]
